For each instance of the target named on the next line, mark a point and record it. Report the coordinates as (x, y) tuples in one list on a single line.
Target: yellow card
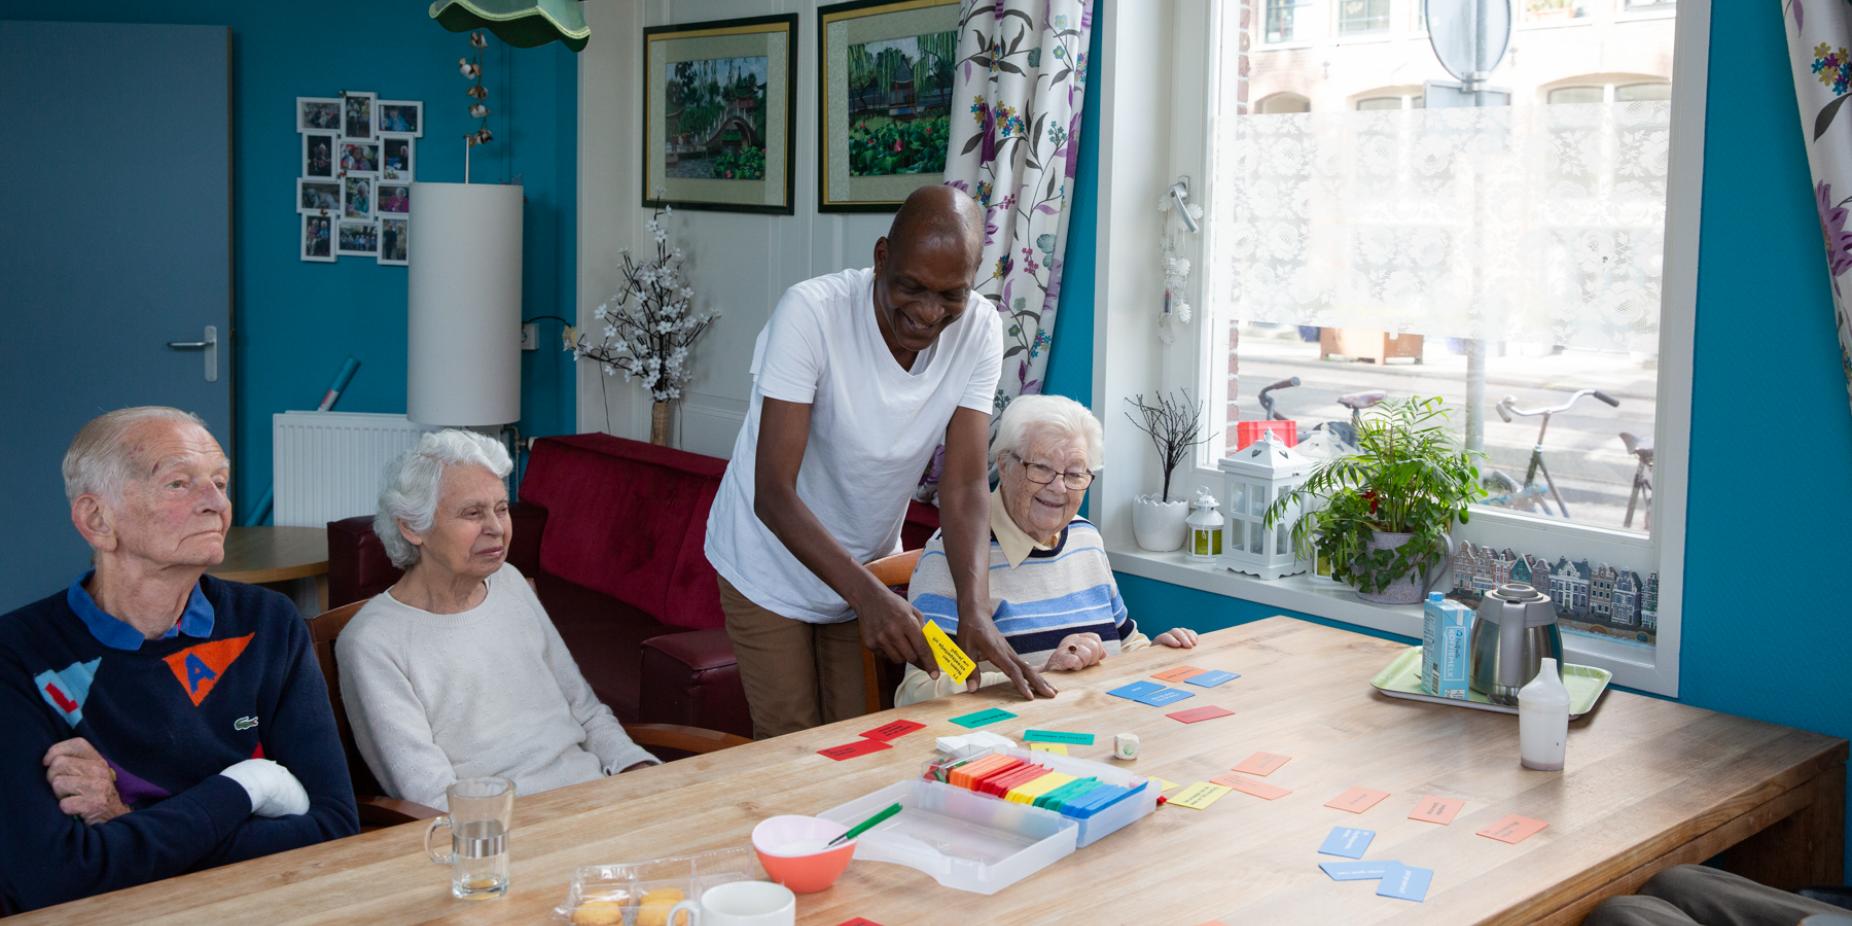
[(1199, 795), (1163, 784), (952, 660), (1059, 749)]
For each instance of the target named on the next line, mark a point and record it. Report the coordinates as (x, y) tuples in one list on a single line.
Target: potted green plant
[(1383, 515), (1174, 424)]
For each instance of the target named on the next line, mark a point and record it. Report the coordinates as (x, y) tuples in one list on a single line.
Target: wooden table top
[(1644, 776), (273, 554)]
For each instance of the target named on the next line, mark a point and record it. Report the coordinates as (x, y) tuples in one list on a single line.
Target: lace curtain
[(1538, 223), (1817, 38)]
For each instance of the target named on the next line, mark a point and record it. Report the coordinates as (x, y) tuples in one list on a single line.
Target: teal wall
[(1765, 352), (296, 322)]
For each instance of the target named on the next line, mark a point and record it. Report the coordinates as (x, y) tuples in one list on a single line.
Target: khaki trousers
[(796, 675)]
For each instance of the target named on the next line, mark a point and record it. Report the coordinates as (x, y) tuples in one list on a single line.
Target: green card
[(1056, 736), (983, 718)]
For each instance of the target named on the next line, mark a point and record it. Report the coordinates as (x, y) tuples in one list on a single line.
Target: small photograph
[(318, 154), (318, 114), (359, 157), (318, 195), (394, 241), (400, 117), (356, 237), (317, 238), (394, 199), (357, 198), (396, 157), (357, 115)]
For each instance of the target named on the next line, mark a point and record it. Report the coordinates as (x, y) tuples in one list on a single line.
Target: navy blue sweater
[(168, 715)]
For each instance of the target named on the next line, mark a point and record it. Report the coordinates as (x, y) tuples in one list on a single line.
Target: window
[(1283, 103), (1361, 17), (1547, 12), (1640, 6), (1391, 100), (1282, 23)]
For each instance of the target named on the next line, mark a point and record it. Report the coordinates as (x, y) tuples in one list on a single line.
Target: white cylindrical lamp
[(464, 318)]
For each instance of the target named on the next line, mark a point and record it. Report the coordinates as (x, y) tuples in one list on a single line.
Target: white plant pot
[(1160, 526)]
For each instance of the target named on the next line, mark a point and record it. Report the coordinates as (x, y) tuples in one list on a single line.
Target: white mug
[(739, 903)]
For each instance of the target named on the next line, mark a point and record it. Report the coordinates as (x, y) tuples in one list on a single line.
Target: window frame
[(1199, 352)]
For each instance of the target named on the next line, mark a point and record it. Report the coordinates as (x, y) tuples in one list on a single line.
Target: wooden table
[(1650, 784), (265, 555)]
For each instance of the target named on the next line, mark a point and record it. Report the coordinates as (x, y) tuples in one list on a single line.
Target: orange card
[(1513, 829), (1178, 673), (1262, 763), (1357, 800), (1260, 789), (1442, 810)]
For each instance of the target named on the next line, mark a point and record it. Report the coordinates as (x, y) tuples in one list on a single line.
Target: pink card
[(1262, 763), (1357, 800), (851, 750), (1197, 714), (1442, 810), (858, 921), (1178, 673), (1260, 789), (889, 731), (1513, 829)]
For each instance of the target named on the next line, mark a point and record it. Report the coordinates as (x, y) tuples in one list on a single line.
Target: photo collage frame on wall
[(354, 192)]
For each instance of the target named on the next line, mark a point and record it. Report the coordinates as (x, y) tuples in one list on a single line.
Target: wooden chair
[(879, 676), (668, 741)]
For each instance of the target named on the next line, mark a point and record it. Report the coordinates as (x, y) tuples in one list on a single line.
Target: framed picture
[(318, 238), (395, 241), (392, 199), (359, 157), (314, 195), (399, 117), (719, 114), (357, 198), (395, 159), (884, 100), (357, 114), (357, 237), (318, 149), (318, 114)]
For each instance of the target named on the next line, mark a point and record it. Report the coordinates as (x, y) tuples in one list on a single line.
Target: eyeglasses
[(1042, 475)]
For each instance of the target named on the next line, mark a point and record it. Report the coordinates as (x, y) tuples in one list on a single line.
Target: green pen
[(865, 825)]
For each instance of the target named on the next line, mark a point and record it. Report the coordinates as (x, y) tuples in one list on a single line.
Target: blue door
[(116, 243)]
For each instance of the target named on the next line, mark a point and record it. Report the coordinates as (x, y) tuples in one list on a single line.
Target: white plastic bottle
[(1543, 720)]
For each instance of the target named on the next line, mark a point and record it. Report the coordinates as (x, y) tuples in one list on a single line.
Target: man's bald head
[(937, 214)]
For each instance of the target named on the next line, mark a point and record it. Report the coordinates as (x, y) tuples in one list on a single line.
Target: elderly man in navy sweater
[(157, 721)]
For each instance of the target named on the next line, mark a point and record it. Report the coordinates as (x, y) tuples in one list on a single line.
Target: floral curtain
[(1022, 67), (1817, 38)]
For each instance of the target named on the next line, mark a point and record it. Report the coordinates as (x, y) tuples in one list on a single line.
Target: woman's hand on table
[(1177, 638)]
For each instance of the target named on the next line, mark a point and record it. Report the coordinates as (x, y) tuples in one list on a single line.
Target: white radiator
[(329, 465)]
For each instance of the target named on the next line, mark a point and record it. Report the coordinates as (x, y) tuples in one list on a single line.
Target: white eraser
[(1125, 746)]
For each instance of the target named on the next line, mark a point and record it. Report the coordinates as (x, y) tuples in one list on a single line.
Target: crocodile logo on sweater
[(244, 723)]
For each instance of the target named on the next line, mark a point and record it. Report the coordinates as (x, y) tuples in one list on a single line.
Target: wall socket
[(530, 335)]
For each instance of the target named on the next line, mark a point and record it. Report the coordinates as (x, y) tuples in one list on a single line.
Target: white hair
[(100, 460), (413, 480), (1030, 414)]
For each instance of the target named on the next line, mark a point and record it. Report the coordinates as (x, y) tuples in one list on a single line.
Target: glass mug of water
[(481, 813)]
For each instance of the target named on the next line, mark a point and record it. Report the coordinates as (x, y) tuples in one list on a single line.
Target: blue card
[(1164, 696), (1135, 690), (1357, 871), (1347, 841), (1212, 678), (1406, 882)]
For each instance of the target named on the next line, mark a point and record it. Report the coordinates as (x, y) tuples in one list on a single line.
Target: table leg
[(1805, 848)]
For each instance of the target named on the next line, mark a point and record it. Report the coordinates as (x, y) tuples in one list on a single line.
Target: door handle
[(207, 345)]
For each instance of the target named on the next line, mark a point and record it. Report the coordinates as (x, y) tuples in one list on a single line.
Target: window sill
[(1309, 594)]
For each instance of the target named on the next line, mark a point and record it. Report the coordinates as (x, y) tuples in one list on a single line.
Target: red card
[(1197, 714), (1513, 829), (1442, 810), (1357, 800), (889, 731), (1262, 763), (858, 921), (1260, 789), (1178, 673), (851, 750)]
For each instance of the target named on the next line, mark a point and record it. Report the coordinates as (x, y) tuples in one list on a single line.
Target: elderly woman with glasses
[(1050, 581)]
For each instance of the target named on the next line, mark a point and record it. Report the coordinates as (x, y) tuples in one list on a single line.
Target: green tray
[(1401, 678)]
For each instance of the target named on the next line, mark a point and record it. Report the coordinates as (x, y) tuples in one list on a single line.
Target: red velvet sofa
[(611, 531)]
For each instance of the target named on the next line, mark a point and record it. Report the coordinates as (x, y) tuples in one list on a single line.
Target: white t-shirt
[(873, 428)]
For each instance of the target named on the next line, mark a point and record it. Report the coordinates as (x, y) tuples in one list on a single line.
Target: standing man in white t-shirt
[(857, 377)]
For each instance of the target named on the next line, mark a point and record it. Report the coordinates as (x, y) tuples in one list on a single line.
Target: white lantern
[(1205, 527), (1255, 476)]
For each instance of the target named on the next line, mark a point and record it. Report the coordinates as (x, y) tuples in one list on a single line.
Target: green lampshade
[(521, 23)]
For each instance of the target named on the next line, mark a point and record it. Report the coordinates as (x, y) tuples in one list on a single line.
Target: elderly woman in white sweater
[(1049, 577), (456, 671)]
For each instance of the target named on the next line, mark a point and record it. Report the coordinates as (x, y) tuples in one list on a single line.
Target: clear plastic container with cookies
[(642, 893)]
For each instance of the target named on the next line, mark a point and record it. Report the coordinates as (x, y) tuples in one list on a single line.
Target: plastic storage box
[(597, 891)]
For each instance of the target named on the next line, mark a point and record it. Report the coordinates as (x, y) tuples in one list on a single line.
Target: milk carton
[(1446, 633)]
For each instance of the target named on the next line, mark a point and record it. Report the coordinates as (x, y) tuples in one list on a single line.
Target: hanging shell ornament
[(479, 111), (468, 68), (484, 136), (477, 40)]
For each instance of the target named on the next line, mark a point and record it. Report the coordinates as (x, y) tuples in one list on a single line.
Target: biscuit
[(655, 907), (598, 913)]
